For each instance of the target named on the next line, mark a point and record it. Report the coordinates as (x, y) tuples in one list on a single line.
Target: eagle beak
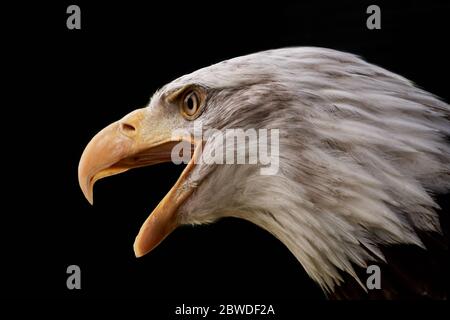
[(128, 144)]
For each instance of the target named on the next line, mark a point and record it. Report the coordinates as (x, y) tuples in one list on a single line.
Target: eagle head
[(356, 153)]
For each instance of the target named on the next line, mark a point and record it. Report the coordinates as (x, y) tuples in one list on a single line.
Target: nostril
[(128, 127)]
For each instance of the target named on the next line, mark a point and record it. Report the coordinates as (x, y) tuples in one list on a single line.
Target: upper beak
[(127, 144)]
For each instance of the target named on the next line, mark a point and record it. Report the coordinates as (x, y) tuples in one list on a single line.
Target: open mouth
[(125, 145)]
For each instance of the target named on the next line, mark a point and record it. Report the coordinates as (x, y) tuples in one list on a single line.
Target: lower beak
[(124, 145)]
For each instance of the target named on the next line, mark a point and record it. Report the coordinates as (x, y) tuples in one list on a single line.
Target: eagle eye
[(190, 105)]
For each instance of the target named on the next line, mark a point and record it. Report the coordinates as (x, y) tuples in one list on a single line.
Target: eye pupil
[(190, 103)]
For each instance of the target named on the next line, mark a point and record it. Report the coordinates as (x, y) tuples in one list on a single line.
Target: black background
[(71, 83)]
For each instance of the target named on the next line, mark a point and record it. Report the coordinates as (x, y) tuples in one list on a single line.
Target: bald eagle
[(362, 154)]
